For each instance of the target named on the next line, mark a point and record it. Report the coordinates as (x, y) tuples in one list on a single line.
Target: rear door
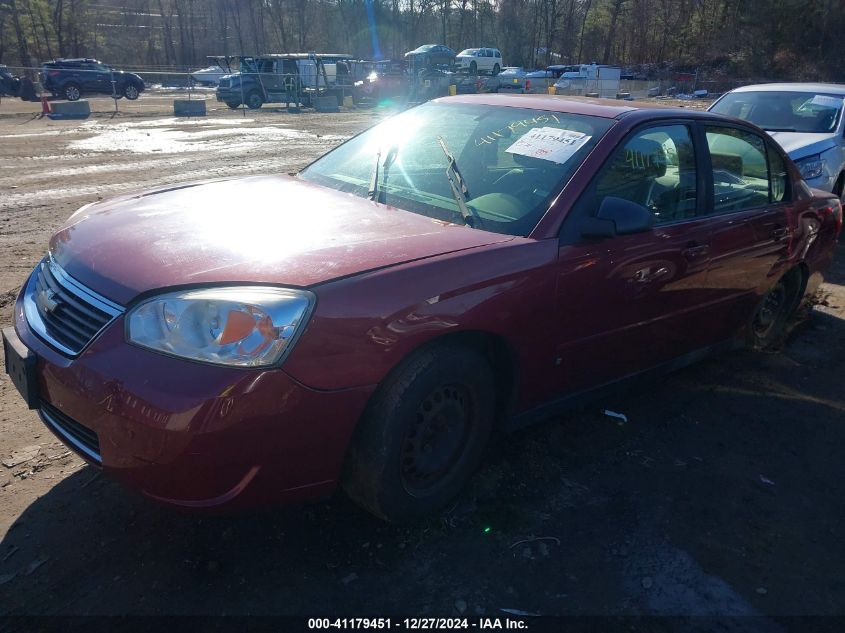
[(630, 302), (94, 79), (752, 210)]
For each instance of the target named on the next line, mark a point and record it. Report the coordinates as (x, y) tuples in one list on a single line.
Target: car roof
[(794, 87), (72, 59), (605, 108)]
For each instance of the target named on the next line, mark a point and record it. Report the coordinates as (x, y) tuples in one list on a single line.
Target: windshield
[(512, 162), (469, 51), (808, 112)]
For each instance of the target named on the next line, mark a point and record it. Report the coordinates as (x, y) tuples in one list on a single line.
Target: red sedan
[(461, 269)]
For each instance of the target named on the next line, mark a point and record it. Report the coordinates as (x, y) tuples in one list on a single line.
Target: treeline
[(775, 39)]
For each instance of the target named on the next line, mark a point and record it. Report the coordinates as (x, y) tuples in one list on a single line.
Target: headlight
[(245, 326), (811, 167)]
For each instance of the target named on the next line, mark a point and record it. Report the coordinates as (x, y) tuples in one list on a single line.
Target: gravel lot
[(723, 494)]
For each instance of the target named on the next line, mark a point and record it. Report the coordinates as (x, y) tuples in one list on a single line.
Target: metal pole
[(243, 105), (114, 93)]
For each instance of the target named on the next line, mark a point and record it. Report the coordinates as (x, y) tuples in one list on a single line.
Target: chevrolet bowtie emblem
[(45, 299)]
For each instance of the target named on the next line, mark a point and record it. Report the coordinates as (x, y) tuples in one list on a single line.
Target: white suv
[(477, 60)]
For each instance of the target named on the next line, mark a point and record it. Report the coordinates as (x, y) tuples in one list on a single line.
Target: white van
[(479, 60)]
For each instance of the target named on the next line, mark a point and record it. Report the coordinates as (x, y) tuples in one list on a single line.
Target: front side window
[(740, 169), (512, 162), (805, 112), (656, 169)]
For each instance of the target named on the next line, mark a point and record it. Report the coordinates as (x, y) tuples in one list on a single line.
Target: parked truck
[(291, 78)]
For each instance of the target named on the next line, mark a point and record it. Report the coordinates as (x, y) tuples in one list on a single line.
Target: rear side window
[(656, 169), (740, 169)]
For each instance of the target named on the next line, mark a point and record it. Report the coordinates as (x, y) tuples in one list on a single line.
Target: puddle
[(139, 138), (169, 121)]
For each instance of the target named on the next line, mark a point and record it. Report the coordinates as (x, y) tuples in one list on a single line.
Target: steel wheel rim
[(436, 439), (769, 313)]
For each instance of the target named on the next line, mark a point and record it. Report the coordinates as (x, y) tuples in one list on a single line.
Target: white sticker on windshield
[(828, 102), (549, 143)]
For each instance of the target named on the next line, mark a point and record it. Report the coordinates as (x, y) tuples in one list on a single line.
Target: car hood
[(265, 229), (802, 144)]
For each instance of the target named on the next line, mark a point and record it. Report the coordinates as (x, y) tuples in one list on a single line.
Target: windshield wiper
[(780, 129), (457, 185), (374, 192)]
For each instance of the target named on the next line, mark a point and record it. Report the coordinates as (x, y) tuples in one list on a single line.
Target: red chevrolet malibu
[(464, 268)]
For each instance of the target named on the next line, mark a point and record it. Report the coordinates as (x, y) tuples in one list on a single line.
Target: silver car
[(806, 119), (512, 79)]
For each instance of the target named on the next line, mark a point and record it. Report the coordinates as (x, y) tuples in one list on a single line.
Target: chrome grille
[(82, 439), (62, 311)]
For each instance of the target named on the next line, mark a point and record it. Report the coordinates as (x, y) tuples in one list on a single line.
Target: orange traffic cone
[(45, 106)]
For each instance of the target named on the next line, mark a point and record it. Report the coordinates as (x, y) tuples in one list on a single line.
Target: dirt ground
[(723, 494)]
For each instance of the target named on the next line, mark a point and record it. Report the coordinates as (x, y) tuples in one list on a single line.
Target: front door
[(629, 302)]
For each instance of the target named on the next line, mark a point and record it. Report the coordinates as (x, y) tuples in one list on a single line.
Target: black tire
[(840, 188), (496, 69), (131, 92), (71, 91), (233, 105), (254, 100), (473, 68), (422, 435), (774, 313)]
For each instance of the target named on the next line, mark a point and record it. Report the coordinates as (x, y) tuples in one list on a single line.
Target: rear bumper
[(189, 434)]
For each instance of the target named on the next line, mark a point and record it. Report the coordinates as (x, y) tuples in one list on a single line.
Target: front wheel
[(496, 69), (131, 92), (254, 100), (422, 435), (775, 311), (233, 105), (473, 68)]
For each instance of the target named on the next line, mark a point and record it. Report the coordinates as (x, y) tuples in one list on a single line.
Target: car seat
[(632, 174)]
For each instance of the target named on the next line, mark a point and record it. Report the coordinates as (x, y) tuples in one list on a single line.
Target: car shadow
[(720, 495)]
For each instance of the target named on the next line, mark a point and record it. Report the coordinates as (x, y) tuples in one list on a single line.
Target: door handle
[(695, 250), (780, 232)]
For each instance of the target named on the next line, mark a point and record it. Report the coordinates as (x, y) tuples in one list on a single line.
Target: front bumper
[(190, 434), (229, 95)]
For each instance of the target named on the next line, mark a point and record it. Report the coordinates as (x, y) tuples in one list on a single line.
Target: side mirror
[(617, 216)]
